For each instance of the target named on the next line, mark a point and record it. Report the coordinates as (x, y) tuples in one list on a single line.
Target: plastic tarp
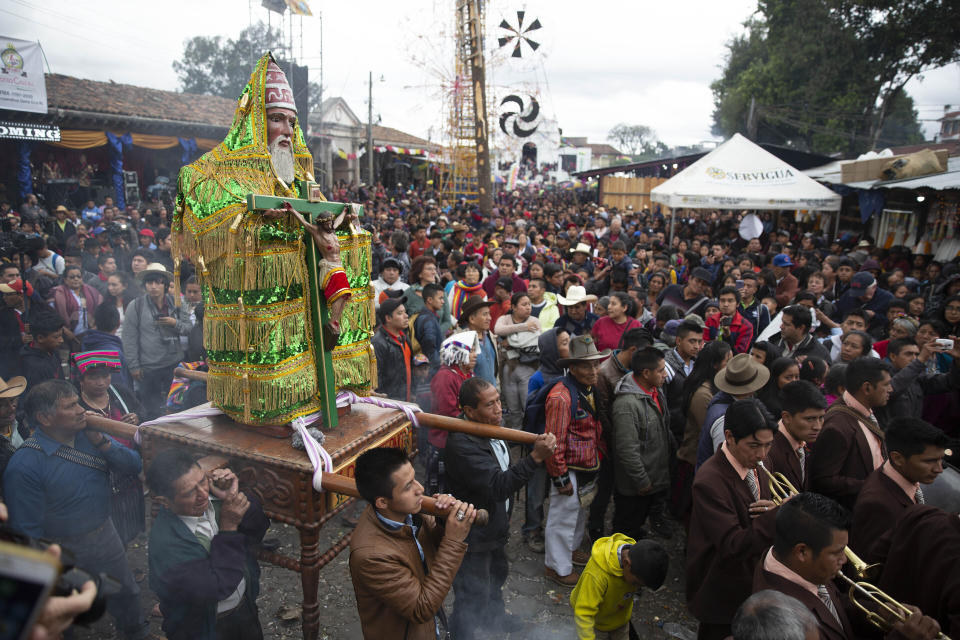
[(740, 175)]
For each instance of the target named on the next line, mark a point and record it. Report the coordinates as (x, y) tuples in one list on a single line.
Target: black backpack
[(535, 411)]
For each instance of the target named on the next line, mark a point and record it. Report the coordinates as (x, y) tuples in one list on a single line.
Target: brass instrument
[(889, 610), (780, 487)]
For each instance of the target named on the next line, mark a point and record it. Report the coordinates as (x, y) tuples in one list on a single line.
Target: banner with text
[(22, 85)]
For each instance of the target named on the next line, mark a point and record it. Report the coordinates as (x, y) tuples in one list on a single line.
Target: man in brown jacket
[(807, 553), (916, 450), (850, 447), (800, 424), (402, 562), (732, 522)]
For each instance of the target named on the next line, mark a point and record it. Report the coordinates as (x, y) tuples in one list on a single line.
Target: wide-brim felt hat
[(13, 387), (155, 268), (742, 375), (470, 306), (583, 349)]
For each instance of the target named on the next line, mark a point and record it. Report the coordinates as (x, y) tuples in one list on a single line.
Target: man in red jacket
[(571, 416), (729, 326)]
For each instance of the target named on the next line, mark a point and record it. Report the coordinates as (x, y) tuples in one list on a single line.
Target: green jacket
[(190, 581), (640, 440), (602, 599)]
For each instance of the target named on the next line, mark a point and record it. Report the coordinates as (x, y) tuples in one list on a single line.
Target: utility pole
[(478, 76), (370, 180), (752, 120)]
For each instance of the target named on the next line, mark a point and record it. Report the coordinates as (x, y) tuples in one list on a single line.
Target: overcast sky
[(599, 63)]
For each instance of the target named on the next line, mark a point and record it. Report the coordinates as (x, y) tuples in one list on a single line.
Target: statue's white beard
[(282, 159)]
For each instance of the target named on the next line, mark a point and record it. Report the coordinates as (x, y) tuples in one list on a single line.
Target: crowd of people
[(658, 365)]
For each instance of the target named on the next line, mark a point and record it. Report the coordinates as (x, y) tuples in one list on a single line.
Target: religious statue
[(275, 303)]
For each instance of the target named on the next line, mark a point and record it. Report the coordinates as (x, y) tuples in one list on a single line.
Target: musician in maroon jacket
[(732, 521), (851, 445), (916, 449), (801, 420), (807, 552), (923, 565)]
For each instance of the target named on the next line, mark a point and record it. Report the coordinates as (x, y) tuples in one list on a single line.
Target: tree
[(826, 76), (222, 67), (635, 139)]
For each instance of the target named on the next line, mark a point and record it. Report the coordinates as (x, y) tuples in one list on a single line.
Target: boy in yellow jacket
[(603, 598)]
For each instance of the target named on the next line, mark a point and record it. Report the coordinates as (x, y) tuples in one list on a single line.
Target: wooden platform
[(282, 477)]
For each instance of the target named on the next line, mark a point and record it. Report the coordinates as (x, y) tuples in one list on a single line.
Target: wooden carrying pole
[(331, 481), (447, 423), (348, 487)]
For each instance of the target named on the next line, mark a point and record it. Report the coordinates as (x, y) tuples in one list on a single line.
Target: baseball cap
[(862, 281), (388, 306), (702, 274), (148, 232), (782, 260)]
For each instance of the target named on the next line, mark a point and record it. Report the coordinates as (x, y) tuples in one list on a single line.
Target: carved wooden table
[(282, 478)]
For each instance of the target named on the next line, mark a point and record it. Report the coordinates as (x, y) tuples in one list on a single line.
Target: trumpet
[(780, 487), (888, 609)]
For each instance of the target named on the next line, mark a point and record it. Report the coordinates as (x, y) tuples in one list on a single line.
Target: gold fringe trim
[(221, 329), (259, 271), (351, 366), (266, 390)]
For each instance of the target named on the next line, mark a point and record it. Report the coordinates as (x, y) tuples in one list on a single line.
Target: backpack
[(414, 343), (535, 411)]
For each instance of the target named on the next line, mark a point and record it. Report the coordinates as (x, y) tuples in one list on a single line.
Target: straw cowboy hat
[(583, 247), (583, 349), (12, 388), (471, 306), (741, 376), (155, 268), (575, 295)]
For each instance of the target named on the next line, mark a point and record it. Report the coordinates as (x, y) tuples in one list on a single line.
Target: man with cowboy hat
[(572, 417), (739, 380), (475, 316), (581, 258), (10, 437), (152, 326), (576, 319)]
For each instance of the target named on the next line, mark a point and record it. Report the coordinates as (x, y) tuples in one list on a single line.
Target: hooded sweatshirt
[(603, 599), (549, 370)]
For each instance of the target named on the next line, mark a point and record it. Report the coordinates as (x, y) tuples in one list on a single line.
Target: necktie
[(802, 454), (752, 484), (919, 496), (824, 596), (204, 540)]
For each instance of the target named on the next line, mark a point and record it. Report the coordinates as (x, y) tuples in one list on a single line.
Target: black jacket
[(39, 366), (10, 343), (473, 475), (391, 368), (910, 385)]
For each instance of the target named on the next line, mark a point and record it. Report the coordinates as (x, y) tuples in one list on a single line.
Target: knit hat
[(456, 349), (277, 91), (87, 360)]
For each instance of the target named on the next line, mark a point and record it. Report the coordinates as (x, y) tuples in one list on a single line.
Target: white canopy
[(741, 175)]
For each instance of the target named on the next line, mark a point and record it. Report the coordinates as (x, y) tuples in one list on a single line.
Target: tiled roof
[(602, 149), (67, 92), (389, 135)]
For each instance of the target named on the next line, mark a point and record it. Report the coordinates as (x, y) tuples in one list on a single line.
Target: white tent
[(741, 175)]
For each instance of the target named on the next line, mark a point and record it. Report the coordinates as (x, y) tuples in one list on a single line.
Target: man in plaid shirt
[(571, 416)]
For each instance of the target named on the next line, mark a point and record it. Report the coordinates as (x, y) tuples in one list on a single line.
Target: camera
[(945, 343), (16, 548)]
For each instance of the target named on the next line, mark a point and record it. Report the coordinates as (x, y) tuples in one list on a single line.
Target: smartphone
[(26, 578)]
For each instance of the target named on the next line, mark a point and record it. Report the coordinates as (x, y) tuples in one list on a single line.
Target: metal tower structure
[(468, 154)]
